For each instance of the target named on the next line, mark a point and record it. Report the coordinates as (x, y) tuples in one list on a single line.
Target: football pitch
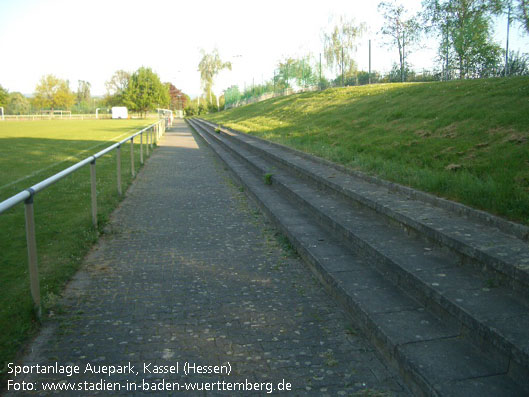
[(35, 150), (30, 152)]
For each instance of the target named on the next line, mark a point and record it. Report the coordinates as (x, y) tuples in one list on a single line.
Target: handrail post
[(118, 160), (151, 136), (141, 148), (32, 255), (147, 142), (133, 173), (93, 192)]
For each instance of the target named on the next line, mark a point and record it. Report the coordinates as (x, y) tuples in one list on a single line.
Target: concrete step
[(434, 282), (490, 244), (432, 274), (408, 332), (380, 313)]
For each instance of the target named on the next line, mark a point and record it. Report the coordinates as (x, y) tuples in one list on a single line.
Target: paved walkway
[(191, 273)]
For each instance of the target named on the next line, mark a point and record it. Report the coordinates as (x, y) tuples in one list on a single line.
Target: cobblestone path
[(191, 272)]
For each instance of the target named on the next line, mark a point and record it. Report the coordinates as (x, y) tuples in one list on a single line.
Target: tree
[(145, 92), (465, 28), (17, 104), (522, 13), (286, 71), (340, 44), (3, 96), (305, 73), (83, 91), (209, 66), (518, 65), (83, 98), (403, 31), (232, 95), (116, 87), (53, 93), (178, 99)]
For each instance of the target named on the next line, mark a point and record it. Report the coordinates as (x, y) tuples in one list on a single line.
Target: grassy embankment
[(467, 141), (31, 152)]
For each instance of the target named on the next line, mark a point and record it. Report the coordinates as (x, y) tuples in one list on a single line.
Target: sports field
[(32, 151)]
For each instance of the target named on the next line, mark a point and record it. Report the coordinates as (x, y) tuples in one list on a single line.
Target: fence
[(268, 95), (153, 133)]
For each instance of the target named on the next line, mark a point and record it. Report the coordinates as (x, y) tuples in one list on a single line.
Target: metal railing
[(153, 133)]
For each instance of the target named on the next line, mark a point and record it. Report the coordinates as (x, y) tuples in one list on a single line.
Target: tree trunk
[(400, 45)]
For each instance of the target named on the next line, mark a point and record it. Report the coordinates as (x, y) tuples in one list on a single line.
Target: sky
[(90, 40)]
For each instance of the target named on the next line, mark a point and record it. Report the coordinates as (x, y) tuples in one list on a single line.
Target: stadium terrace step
[(443, 297)]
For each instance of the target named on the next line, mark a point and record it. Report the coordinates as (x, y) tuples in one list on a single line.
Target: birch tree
[(340, 44), (402, 31), (209, 66), (465, 28)]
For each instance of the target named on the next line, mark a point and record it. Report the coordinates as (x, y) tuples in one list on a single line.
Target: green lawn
[(39, 149), (464, 140)]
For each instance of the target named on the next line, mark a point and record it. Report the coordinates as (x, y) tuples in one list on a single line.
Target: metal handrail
[(153, 134), (25, 194)]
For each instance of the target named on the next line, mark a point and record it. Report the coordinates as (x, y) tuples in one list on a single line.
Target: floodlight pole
[(369, 74)]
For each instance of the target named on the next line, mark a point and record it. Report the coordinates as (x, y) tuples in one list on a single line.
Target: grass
[(268, 178), (467, 141), (64, 230)]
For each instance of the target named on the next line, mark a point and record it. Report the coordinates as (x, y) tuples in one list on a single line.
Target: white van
[(120, 112)]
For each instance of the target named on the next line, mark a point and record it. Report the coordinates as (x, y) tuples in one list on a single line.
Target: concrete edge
[(516, 229)]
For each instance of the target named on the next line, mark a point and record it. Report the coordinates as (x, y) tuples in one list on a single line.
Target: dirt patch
[(423, 133), (450, 131), (517, 138), (453, 167), (501, 130)]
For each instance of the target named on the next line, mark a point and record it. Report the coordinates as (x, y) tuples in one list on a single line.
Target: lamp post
[(507, 43)]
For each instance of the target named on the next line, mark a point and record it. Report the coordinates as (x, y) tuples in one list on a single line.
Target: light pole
[(507, 43), (369, 75)]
